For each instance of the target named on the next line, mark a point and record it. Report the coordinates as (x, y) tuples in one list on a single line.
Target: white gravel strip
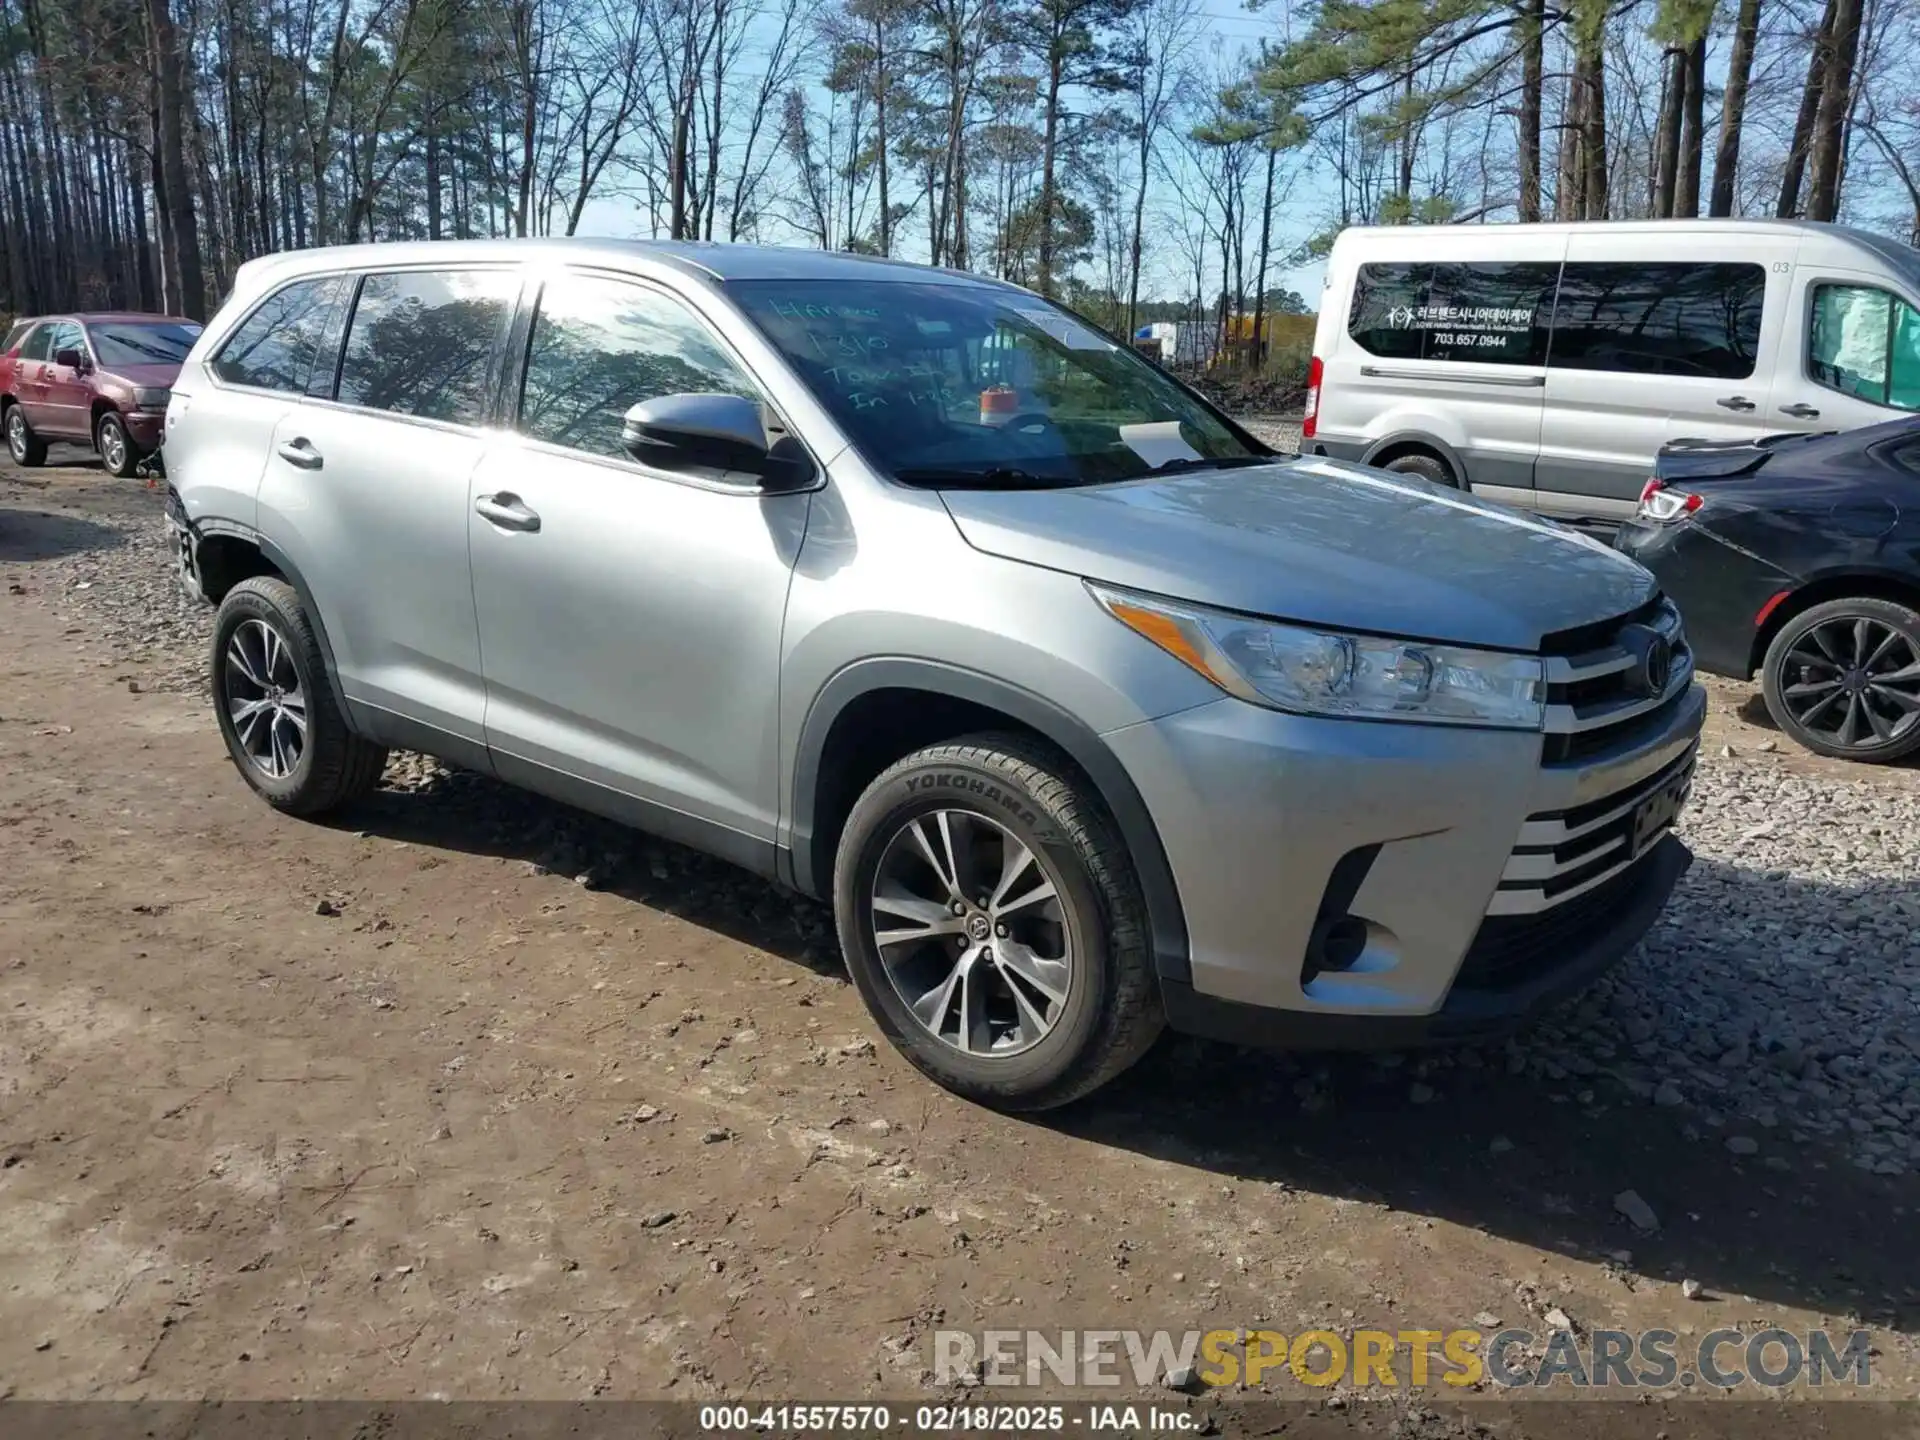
[(1778, 999)]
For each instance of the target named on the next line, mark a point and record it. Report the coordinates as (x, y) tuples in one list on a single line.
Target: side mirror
[(72, 359), (724, 432)]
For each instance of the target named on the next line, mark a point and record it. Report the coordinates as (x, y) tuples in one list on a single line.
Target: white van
[(1544, 365)]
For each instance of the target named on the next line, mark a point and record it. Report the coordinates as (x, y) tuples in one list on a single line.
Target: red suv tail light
[(1312, 412), (1661, 504)]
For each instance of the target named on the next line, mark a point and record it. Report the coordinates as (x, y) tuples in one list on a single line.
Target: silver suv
[(912, 590)]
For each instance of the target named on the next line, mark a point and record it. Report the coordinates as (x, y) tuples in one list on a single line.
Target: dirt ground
[(389, 1109)]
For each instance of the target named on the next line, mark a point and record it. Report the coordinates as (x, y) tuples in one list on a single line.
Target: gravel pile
[(132, 613), (1778, 1000)]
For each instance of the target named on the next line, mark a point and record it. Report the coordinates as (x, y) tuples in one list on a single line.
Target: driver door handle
[(506, 510), (1734, 402), (300, 454), (1800, 411)]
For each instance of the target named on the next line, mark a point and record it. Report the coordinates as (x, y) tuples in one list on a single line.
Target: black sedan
[(1799, 556)]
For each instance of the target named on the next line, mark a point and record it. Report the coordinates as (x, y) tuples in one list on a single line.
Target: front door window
[(1865, 343)]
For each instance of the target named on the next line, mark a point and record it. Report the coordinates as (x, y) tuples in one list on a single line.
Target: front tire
[(993, 922), (27, 448), (283, 729), (117, 454), (1843, 679)]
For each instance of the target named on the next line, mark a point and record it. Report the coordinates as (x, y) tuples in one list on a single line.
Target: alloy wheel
[(264, 699), (970, 927), (113, 446), (1854, 681), (17, 435)]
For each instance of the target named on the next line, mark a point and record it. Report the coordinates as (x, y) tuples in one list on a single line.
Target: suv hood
[(159, 377), (1322, 543)]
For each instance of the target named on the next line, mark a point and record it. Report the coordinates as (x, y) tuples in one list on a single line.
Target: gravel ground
[(1777, 1001), (1282, 434)]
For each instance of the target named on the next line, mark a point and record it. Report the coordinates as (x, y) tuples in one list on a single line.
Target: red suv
[(100, 380)]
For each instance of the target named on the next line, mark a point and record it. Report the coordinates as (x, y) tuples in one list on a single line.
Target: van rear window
[(1488, 313)]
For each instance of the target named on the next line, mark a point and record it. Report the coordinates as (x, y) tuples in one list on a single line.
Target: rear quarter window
[(1485, 312), (275, 346)]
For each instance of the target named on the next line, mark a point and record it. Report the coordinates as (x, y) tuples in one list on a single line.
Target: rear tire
[(115, 445), (283, 728), (1427, 467), (26, 448), (1842, 679), (1046, 977)]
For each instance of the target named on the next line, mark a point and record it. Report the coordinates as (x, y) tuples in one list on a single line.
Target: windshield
[(140, 342), (943, 384)]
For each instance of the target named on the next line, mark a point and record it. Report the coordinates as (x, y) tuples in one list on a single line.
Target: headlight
[(1324, 672), (146, 398)]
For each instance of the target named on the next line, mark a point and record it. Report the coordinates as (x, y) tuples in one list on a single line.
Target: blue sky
[(1226, 25)]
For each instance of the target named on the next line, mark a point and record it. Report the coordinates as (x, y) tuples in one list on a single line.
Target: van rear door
[(1655, 338)]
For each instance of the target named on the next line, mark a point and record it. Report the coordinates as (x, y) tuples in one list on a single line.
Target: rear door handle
[(300, 454), (1734, 402), (506, 511), (1800, 411)]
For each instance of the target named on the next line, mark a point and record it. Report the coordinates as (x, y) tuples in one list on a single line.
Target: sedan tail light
[(1311, 413), (1661, 503)]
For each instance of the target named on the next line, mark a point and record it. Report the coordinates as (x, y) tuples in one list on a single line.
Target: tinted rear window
[(1490, 313), (1659, 319), (274, 347), (421, 342)]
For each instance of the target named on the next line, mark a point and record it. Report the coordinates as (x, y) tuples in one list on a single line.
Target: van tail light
[(1661, 503), (1312, 411)]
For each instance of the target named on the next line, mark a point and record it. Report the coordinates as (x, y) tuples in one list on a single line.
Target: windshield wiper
[(995, 477), (1231, 462)]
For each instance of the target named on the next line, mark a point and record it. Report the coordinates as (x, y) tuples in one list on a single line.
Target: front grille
[(1509, 948), (1563, 854), (1595, 700)]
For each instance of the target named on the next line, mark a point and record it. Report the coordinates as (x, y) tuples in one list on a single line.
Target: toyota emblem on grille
[(1652, 657)]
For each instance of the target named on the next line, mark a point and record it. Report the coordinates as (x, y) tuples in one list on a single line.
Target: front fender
[(811, 854)]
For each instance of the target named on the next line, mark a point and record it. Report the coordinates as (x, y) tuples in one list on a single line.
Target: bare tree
[(1726, 159), (1154, 53)]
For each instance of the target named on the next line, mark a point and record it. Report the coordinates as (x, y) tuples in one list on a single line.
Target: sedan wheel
[(1844, 679)]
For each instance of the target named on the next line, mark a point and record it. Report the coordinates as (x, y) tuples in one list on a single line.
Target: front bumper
[(145, 428), (1351, 883), (1580, 953)]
